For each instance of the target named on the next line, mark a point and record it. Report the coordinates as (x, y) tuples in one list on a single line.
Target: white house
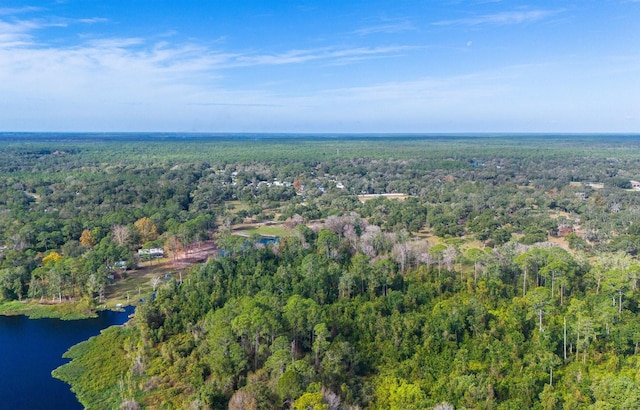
[(151, 252)]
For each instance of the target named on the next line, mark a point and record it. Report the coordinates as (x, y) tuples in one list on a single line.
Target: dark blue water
[(31, 349)]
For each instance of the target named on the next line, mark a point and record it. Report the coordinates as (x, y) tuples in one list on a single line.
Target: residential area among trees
[(502, 274)]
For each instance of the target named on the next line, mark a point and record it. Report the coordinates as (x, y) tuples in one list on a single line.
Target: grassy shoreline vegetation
[(95, 372), (502, 274), (35, 310)]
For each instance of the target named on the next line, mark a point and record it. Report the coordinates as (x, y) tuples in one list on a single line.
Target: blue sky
[(320, 66)]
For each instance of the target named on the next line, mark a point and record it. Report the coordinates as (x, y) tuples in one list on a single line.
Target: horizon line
[(324, 133)]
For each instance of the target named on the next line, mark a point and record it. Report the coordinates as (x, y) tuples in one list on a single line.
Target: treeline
[(54, 190), (346, 316)]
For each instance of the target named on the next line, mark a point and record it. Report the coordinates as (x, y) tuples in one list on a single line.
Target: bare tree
[(420, 253), (294, 221), (130, 405), (332, 399), (449, 257), (335, 224), (243, 400), (138, 366), (402, 254), (368, 239), (155, 282), (352, 236), (18, 243), (121, 234)]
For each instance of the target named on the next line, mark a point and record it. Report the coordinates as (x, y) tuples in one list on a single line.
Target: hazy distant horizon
[(292, 135)]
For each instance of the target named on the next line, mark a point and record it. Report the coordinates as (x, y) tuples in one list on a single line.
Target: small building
[(151, 253), (118, 266), (635, 184)]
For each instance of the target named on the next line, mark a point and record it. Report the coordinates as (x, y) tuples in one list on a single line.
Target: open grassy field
[(236, 206), (137, 284), (366, 197), (268, 229)]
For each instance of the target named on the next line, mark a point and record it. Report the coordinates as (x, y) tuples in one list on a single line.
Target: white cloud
[(18, 32), (92, 20), (8, 11), (307, 55), (386, 26), (502, 18), (96, 81)]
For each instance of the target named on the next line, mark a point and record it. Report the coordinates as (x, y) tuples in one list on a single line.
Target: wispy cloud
[(17, 33), (435, 90), (386, 26), (218, 104), (138, 71), (329, 54), (502, 18), (20, 32), (93, 20), (115, 43), (9, 11), (156, 80)]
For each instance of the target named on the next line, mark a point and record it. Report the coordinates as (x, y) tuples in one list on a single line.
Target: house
[(119, 265), (635, 184), (151, 253)]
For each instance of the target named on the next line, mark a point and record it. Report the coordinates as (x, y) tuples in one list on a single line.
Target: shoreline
[(63, 311)]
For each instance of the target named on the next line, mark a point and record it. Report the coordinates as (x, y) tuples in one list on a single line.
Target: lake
[(31, 349)]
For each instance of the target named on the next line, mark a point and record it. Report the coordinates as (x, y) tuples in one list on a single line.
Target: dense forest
[(503, 274)]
